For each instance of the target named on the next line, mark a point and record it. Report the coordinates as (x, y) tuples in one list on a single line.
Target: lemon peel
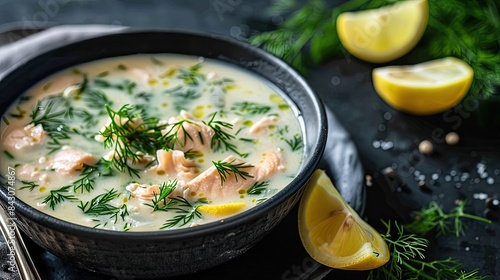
[(383, 34), (333, 233), (426, 88), (225, 209)]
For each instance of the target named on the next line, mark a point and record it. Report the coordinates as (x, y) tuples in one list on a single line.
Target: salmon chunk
[(27, 136), (194, 134), (173, 163), (208, 184), (143, 191), (69, 160), (263, 124)]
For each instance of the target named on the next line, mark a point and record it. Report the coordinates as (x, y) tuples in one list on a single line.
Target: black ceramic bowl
[(161, 254)]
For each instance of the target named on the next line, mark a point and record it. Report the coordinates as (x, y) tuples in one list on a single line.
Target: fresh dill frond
[(249, 108), (295, 143), (53, 112), (258, 188), (160, 200), (433, 217), (227, 168), (407, 246), (116, 136), (99, 205), (30, 185), (186, 211), (58, 196), (87, 177), (96, 100), (170, 139), (221, 138)]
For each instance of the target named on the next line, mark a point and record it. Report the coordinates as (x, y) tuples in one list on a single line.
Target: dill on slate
[(464, 29), (408, 243)]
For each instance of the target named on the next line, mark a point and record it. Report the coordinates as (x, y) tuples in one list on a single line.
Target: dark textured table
[(384, 138)]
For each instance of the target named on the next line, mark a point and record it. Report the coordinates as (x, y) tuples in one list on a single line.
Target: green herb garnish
[(227, 168), (295, 143), (221, 138), (249, 108), (408, 244), (258, 188), (160, 200), (186, 212), (99, 205), (57, 196)]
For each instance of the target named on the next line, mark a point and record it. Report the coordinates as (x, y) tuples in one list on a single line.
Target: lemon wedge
[(383, 34), (425, 88), (220, 210), (333, 233)]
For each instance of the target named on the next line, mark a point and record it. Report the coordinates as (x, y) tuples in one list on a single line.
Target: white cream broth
[(150, 142)]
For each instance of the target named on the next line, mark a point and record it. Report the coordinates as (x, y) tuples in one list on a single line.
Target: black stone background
[(345, 86)]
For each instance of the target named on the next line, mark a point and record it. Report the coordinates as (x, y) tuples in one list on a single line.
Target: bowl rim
[(237, 220)]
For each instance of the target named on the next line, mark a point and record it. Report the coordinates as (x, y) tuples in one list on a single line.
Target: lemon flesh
[(220, 210), (333, 234), (426, 88), (383, 34)]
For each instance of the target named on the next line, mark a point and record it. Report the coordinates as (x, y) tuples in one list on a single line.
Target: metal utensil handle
[(25, 266)]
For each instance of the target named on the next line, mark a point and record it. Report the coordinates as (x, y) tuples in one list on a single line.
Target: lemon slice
[(425, 88), (333, 233), (383, 34), (226, 209)]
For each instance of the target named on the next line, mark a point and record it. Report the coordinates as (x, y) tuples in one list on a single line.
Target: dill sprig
[(225, 168), (221, 138), (295, 143), (122, 138), (186, 211), (407, 246), (433, 218), (99, 205), (58, 196), (467, 30), (52, 112), (31, 185), (160, 201), (87, 177), (171, 138), (258, 188), (249, 108)]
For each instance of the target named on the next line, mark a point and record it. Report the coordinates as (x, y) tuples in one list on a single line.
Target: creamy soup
[(143, 142)]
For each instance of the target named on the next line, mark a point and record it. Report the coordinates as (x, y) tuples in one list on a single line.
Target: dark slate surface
[(383, 137)]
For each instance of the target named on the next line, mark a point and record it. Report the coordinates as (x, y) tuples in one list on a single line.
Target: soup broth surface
[(150, 142)]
